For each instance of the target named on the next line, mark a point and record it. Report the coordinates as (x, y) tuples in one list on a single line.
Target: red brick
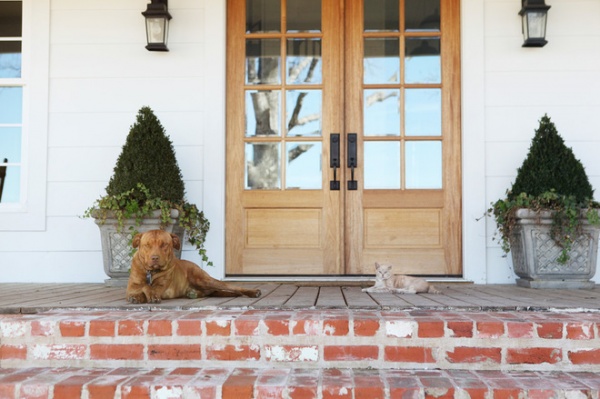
[(336, 327), (239, 387), (412, 354), (189, 328), (232, 352), (101, 391), (71, 328), (59, 352), (580, 331), (507, 393), (291, 353), (13, 352), (160, 328), (246, 327), (71, 387), (490, 329), (366, 327), (349, 353), (431, 329), (42, 328), (306, 327), (102, 328), (135, 392), (465, 354), (591, 356), (550, 330), (460, 329), (368, 386), (277, 327), (218, 327), (533, 355), (174, 352), (117, 352), (519, 330), (34, 391), (127, 328)]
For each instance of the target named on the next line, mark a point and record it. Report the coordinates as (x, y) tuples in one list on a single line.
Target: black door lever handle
[(334, 159), (352, 160)]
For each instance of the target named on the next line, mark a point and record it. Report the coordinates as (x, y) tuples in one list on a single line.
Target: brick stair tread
[(292, 383)]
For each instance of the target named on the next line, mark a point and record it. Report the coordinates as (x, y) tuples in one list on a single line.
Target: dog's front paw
[(255, 294), (154, 299), (136, 298)]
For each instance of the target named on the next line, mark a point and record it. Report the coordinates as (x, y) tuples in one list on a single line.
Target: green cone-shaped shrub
[(551, 166), (148, 158)]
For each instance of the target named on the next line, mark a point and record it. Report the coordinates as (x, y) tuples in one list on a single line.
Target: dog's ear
[(176, 241), (136, 240)]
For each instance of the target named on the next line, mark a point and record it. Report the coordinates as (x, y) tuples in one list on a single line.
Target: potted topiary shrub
[(549, 220), (145, 192)]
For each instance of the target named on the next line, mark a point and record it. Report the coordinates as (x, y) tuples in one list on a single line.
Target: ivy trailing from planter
[(551, 180), (147, 179)]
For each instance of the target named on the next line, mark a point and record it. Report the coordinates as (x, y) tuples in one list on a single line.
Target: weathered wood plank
[(330, 297), (276, 298), (304, 297), (356, 299)]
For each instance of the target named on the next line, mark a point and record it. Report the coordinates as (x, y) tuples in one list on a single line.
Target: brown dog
[(171, 277)]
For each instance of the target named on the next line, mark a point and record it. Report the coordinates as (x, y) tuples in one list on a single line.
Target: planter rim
[(527, 213), (109, 214)]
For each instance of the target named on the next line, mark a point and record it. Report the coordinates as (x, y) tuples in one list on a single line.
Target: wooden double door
[(343, 137)]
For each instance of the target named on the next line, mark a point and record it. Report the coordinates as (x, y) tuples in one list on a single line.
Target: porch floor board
[(33, 298)]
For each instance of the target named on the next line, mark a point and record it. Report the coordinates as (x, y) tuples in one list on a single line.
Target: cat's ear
[(377, 265)]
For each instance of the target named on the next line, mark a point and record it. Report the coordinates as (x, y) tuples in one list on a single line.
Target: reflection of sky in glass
[(10, 65), (304, 106), (304, 166), (303, 61), (10, 144), (423, 112), (381, 112), (423, 69), (382, 165), (11, 99), (423, 164), (12, 185)]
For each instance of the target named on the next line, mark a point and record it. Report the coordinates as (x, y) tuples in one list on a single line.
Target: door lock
[(352, 160)]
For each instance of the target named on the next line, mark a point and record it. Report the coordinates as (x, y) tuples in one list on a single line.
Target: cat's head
[(384, 271)]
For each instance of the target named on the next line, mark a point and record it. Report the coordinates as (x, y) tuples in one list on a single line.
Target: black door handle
[(352, 160), (334, 159)]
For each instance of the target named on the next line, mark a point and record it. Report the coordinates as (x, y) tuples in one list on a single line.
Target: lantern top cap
[(538, 5), (158, 8)]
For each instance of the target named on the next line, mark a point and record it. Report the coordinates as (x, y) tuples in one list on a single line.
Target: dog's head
[(155, 249)]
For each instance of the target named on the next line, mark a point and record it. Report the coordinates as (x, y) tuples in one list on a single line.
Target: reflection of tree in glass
[(263, 167)]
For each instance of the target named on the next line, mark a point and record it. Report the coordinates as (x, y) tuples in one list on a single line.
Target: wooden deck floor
[(33, 298)]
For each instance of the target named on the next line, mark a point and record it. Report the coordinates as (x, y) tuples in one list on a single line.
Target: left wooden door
[(284, 71)]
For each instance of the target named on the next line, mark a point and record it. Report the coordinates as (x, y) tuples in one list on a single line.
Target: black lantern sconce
[(534, 14), (157, 25)]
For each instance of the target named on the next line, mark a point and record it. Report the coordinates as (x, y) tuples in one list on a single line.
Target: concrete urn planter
[(116, 244), (535, 254)]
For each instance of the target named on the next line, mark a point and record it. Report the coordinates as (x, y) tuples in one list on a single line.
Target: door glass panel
[(303, 15), (263, 169), (304, 166), (263, 16), (423, 165), (382, 112), (263, 113), (422, 15), (10, 144), (382, 165), (303, 112), (382, 60), (381, 15), (423, 112), (263, 61), (303, 61), (422, 62)]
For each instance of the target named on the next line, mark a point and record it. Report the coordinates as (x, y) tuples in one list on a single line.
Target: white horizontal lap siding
[(561, 79), (100, 76)]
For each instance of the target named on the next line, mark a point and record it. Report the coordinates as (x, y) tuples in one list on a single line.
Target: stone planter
[(535, 254), (116, 245)]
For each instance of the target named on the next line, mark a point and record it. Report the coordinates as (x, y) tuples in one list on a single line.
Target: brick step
[(291, 383), (415, 339)]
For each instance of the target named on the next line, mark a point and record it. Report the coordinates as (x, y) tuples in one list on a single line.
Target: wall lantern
[(157, 25), (534, 14)]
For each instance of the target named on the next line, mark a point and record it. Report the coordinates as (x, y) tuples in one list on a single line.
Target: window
[(11, 100)]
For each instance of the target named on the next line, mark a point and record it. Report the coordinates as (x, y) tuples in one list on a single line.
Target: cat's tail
[(433, 290)]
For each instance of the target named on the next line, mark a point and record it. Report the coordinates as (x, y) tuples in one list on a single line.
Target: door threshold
[(333, 280)]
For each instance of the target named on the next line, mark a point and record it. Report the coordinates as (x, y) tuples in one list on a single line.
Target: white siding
[(100, 75)]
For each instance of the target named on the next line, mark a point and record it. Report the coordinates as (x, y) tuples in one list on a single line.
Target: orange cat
[(386, 281)]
